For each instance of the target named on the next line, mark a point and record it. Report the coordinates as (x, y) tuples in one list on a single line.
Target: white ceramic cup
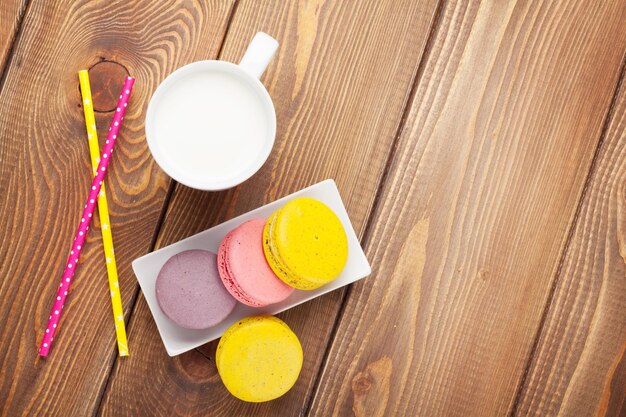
[(211, 125)]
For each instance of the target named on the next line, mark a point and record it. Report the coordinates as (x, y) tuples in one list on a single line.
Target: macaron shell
[(271, 253), (259, 358), (244, 269), (305, 243), (190, 292), (227, 277)]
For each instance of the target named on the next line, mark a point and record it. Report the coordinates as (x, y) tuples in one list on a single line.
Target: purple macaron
[(190, 292)]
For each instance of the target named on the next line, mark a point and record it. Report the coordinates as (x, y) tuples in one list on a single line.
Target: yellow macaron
[(259, 358), (305, 244)]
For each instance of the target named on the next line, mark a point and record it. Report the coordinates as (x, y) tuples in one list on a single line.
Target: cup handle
[(259, 54)]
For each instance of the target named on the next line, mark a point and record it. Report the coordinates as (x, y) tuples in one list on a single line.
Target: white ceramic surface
[(211, 125), (178, 340)]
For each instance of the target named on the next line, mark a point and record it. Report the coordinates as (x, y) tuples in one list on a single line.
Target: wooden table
[(480, 149)]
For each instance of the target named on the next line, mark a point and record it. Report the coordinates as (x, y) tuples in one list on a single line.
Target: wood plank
[(476, 210), (46, 172), (579, 368), (11, 12), (340, 82)]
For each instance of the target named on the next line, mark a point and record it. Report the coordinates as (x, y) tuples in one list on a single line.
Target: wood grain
[(340, 82), (45, 172), (491, 201), (11, 13), (476, 210), (579, 368)]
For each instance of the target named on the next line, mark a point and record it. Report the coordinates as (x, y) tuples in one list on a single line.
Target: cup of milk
[(211, 124)]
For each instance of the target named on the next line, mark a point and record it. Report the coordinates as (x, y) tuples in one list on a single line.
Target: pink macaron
[(244, 270)]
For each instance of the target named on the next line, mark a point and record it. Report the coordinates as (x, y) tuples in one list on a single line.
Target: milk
[(210, 125)]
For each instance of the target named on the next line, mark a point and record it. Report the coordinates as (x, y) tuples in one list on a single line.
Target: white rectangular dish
[(178, 340)]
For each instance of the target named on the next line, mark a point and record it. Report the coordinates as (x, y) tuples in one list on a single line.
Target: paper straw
[(103, 211), (85, 220)]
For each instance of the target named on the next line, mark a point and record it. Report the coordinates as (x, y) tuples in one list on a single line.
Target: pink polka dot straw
[(85, 220)]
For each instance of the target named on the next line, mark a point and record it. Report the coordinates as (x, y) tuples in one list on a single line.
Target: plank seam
[(163, 214), (430, 40), (207, 357), (17, 33), (231, 17), (135, 296), (157, 229), (557, 277)]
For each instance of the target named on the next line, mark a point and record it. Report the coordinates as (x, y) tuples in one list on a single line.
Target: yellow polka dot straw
[(103, 210)]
